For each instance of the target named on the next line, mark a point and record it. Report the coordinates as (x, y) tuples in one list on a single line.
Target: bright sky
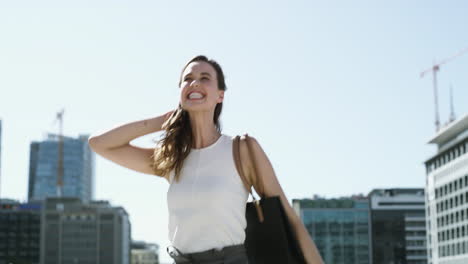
[(330, 90)]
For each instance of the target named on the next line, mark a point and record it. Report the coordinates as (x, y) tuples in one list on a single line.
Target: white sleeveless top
[(207, 205)]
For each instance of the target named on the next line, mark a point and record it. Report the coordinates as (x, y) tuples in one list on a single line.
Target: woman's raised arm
[(115, 146)]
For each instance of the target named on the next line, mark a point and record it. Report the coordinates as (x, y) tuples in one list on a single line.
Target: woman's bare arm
[(272, 187), (114, 144)]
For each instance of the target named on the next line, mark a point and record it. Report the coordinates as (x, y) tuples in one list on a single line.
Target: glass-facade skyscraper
[(78, 168), (339, 228)]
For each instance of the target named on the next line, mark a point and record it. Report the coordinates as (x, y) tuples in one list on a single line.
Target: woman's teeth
[(195, 96)]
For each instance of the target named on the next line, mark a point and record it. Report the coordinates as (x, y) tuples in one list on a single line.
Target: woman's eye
[(203, 78)]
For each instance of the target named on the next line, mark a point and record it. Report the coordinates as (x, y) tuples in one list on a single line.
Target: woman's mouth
[(195, 96)]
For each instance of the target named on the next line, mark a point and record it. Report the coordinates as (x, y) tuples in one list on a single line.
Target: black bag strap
[(247, 185)]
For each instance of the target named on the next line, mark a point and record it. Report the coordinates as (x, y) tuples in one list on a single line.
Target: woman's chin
[(195, 106)]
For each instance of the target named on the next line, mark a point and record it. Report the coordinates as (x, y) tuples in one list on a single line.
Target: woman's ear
[(221, 96)]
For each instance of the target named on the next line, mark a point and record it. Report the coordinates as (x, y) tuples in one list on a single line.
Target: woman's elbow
[(93, 142)]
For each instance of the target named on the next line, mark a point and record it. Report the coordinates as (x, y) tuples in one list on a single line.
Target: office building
[(0, 157), (84, 232), (447, 195), (19, 232), (78, 168), (144, 253), (398, 227), (339, 227)]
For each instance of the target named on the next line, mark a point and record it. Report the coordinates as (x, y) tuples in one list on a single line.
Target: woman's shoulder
[(243, 138), (245, 154)]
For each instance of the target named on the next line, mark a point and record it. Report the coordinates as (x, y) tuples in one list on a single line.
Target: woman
[(206, 196)]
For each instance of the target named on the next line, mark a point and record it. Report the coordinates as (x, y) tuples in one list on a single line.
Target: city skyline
[(331, 92)]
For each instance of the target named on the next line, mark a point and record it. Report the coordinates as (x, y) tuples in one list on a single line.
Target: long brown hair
[(176, 142)]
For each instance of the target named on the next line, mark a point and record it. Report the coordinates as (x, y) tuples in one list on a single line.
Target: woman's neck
[(204, 132)]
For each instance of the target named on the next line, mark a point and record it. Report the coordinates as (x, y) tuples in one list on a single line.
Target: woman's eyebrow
[(203, 73)]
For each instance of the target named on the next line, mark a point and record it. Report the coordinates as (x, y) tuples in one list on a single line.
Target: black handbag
[(269, 235)]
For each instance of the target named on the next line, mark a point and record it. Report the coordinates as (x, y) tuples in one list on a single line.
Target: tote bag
[(269, 235)]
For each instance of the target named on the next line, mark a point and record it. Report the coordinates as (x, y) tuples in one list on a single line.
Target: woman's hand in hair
[(169, 118), (168, 115), (114, 144)]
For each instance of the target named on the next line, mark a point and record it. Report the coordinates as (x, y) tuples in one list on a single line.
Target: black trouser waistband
[(207, 255)]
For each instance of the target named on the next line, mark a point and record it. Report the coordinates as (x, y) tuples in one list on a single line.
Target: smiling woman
[(206, 196), (194, 117)]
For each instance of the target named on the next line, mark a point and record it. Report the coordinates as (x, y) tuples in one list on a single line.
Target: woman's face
[(199, 87)]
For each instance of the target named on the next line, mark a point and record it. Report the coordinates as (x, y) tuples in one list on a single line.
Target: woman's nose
[(195, 83)]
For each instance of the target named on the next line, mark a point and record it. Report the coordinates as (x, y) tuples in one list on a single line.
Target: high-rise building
[(19, 232), (84, 232), (78, 168), (447, 195), (339, 227), (398, 227)]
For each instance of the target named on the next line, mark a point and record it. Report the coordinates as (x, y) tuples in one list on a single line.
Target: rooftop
[(451, 131)]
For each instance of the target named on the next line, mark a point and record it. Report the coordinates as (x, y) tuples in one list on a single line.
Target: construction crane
[(435, 68), (59, 118)]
